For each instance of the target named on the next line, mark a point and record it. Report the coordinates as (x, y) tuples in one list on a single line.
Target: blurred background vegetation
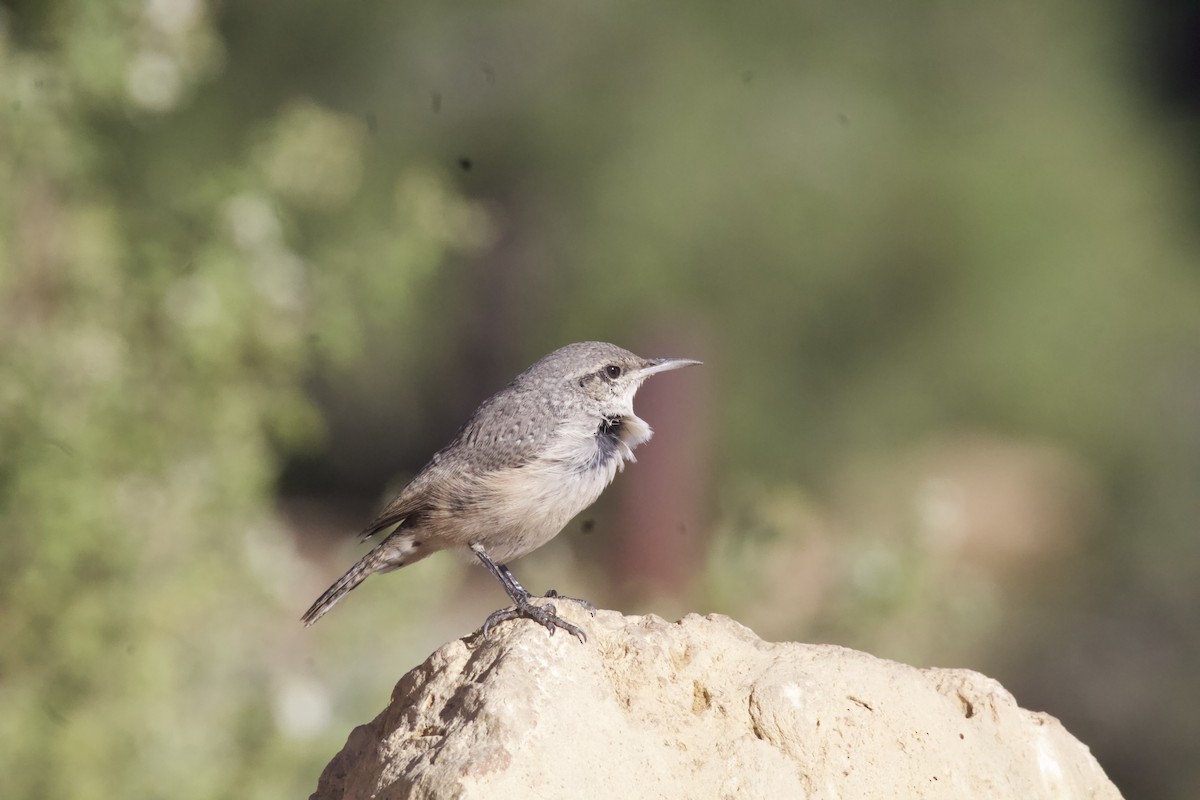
[(259, 260)]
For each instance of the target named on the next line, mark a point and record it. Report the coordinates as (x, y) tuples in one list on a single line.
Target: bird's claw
[(546, 616), (588, 607)]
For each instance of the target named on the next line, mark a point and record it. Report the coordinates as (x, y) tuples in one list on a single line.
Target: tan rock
[(697, 709)]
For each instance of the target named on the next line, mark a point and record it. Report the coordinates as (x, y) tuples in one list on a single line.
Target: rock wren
[(530, 458)]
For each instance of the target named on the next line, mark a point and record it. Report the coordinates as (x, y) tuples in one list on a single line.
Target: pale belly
[(524, 508)]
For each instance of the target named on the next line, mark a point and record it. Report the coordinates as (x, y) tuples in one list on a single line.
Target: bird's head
[(601, 374)]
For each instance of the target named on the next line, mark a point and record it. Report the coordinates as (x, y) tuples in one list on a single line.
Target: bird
[(530, 458)]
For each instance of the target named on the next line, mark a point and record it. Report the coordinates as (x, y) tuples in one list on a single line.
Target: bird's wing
[(507, 431), (405, 505)]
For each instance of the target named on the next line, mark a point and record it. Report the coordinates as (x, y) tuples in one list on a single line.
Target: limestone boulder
[(700, 708)]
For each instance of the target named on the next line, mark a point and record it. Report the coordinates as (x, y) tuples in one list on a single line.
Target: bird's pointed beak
[(655, 365)]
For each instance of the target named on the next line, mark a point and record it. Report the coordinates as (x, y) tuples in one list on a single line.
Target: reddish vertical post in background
[(663, 513)]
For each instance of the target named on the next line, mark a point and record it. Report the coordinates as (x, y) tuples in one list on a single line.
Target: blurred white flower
[(154, 81), (174, 17), (301, 707)]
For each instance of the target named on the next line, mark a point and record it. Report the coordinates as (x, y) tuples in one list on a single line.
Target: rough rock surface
[(696, 709)]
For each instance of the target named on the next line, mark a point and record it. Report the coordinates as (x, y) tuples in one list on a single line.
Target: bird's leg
[(546, 615), (511, 583)]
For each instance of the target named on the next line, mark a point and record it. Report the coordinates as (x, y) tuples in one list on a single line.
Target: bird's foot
[(553, 594), (546, 615)]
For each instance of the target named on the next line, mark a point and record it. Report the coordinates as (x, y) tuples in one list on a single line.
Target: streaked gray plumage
[(530, 458)]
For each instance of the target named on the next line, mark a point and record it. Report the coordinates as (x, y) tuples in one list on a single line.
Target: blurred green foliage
[(921, 241), (162, 299)]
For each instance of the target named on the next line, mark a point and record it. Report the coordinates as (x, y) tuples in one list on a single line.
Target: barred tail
[(356, 575), (392, 553)]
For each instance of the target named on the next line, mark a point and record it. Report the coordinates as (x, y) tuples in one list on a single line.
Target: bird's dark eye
[(613, 371)]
